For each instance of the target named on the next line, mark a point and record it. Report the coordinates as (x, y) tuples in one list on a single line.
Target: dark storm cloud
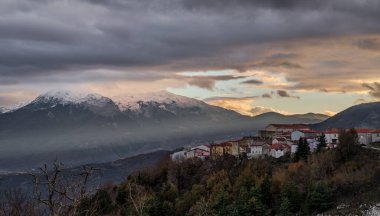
[(208, 82), (374, 89), (253, 82), (266, 95), (285, 94), (65, 38)]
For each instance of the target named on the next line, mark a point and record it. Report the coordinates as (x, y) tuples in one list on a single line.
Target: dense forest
[(335, 180)]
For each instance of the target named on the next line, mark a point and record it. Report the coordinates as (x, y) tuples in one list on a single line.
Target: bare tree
[(139, 197), (59, 193), (16, 203)]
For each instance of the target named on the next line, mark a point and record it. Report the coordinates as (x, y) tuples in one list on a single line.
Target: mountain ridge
[(93, 128), (366, 115)]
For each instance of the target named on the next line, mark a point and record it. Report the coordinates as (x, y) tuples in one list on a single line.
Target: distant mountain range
[(273, 117), (80, 129), (360, 116)]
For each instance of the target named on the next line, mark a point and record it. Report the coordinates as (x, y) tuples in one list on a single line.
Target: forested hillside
[(342, 180), (237, 186)]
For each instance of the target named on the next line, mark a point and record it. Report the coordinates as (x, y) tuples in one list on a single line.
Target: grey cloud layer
[(374, 89), (49, 37)]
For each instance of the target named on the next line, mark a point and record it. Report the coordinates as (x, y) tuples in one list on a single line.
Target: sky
[(251, 56)]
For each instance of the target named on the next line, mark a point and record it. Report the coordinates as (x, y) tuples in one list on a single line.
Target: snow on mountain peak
[(131, 102), (68, 97), (95, 99), (59, 96), (127, 102)]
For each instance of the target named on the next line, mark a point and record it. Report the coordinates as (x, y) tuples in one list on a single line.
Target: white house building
[(296, 135), (376, 136), (332, 136), (293, 148), (201, 151), (179, 156), (313, 144), (364, 136), (256, 150), (279, 150)]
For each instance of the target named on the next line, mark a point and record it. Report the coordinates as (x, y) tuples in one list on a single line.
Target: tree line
[(305, 184)]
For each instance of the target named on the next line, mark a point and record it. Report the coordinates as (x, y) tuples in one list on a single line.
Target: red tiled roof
[(331, 131), (281, 139), (357, 130), (309, 131), (364, 130), (277, 146)]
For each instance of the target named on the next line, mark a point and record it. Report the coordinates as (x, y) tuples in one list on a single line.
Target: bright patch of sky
[(311, 101)]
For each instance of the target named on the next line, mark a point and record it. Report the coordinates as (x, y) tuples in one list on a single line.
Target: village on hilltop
[(276, 140)]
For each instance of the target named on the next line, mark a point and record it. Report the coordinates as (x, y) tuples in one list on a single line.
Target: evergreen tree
[(248, 203), (306, 150), (265, 192), (303, 150), (320, 197), (291, 193), (348, 145), (322, 142), (285, 207), (222, 202)]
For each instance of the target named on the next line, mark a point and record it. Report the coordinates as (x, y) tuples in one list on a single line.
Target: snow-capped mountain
[(83, 128), (92, 128), (93, 102), (59, 97), (135, 102)]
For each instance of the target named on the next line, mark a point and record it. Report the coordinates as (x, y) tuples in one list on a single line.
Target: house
[(255, 150), (332, 136), (284, 128), (218, 150), (266, 149), (236, 150), (201, 151), (253, 146), (313, 144), (279, 140), (179, 156), (376, 135), (293, 148), (279, 150), (296, 135), (364, 136)]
